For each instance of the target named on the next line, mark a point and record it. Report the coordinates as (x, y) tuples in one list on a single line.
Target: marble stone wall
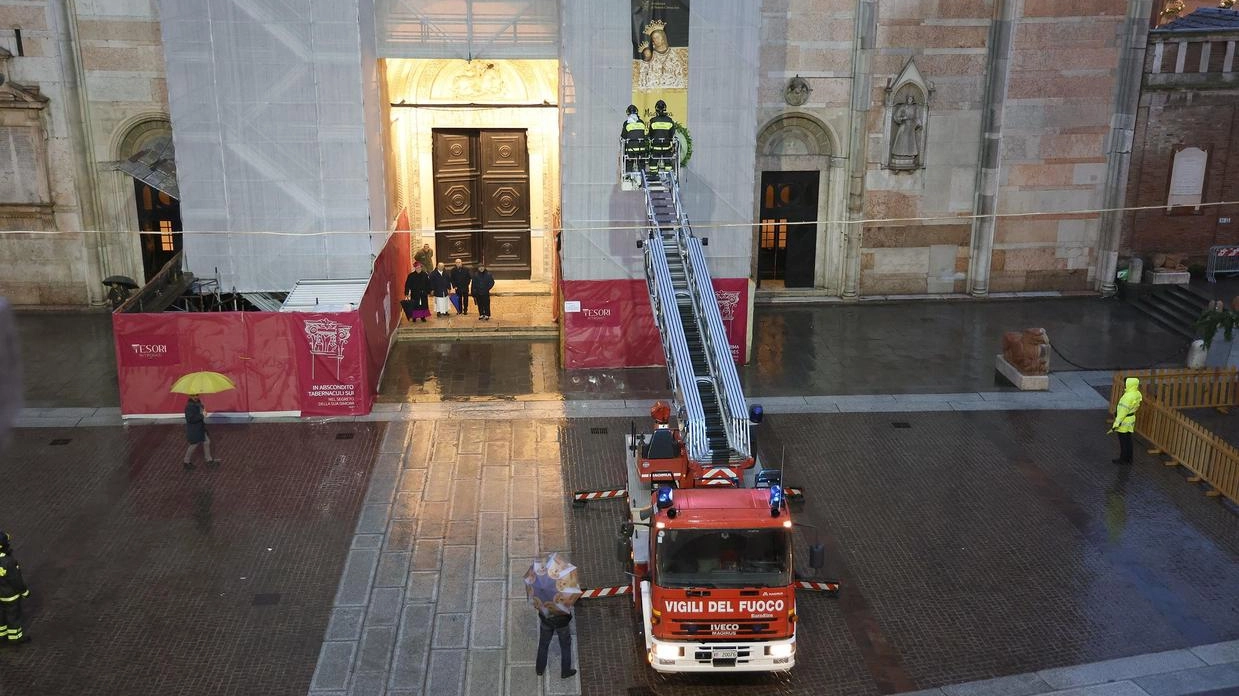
[(1060, 100), (117, 46)]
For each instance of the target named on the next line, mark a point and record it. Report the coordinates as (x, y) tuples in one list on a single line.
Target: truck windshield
[(724, 558)]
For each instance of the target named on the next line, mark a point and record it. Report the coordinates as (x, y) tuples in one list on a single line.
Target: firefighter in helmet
[(12, 590), (662, 138), (636, 145)]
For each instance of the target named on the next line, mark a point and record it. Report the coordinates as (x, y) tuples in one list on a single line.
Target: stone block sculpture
[(1028, 351), (1169, 262)]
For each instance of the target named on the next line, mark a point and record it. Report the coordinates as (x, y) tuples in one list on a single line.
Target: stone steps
[(1173, 307)]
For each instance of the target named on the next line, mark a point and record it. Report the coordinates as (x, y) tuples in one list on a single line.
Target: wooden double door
[(481, 184)]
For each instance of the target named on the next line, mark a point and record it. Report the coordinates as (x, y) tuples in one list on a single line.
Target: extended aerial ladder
[(710, 406)]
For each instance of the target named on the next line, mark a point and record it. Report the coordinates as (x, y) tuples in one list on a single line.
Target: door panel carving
[(481, 183)]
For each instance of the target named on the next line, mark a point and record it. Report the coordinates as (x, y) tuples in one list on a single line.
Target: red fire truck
[(708, 532)]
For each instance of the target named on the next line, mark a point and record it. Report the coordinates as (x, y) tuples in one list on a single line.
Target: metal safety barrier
[(1211, 459), (1222, 259), (1212, 388)]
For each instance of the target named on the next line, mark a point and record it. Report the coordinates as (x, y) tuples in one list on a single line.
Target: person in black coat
[(12, 590), (461, 277), (440, 284), (416, 290), (196, 433), (555, 625), (483, 281)]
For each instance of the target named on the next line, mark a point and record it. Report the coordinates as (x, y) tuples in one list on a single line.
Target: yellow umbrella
[(202, 383)]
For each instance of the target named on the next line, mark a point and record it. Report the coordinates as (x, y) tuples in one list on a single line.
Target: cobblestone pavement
[(970, 546), (431, 600), (149, 579)]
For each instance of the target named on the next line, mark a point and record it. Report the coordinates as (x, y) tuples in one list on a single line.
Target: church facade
[(851, 147)]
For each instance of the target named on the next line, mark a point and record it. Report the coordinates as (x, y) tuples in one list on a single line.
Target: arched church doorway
[(149, 159), (793, 155)]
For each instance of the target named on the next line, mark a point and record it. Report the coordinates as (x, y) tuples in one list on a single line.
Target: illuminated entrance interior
[(475, 159)]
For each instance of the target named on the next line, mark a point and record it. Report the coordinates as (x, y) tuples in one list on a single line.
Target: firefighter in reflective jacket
[(662, 135), (636, 146), (12, 589), (1125, 418)]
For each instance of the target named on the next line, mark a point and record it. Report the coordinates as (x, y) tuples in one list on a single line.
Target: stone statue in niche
[(797, 92), (906, 128), (1028, 351)]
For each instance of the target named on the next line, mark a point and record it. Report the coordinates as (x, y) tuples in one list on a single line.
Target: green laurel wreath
[(687, 153)]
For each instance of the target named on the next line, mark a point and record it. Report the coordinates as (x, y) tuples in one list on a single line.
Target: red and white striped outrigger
[(600, 592), (830, 586), (580, 498)]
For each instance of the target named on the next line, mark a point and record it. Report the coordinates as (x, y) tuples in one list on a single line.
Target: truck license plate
[(725, 654)]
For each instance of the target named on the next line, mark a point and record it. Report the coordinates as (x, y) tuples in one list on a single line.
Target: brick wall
[(1189, 109)]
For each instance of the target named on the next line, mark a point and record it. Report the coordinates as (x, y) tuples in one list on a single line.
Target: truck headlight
[(666, 651), (782, 650)]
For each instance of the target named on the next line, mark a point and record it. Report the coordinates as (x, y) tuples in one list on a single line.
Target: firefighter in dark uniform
[(12, 589), (635, 144), (662, 136)]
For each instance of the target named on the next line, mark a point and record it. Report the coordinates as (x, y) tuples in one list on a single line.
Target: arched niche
[(793, 150), (795, 135), (907, 102)]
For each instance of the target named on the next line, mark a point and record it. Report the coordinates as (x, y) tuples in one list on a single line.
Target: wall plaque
[(19, 166), (1187, 177)]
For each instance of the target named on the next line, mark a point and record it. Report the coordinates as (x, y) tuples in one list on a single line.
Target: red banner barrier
[(270, 367), (733, 303), (331, 363), (609, 323), (380, 305), (315, 363), (265, 353)]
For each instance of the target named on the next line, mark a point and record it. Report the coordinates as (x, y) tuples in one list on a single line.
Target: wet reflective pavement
[(913, 347), (149, 579), (67, 359), (969, 546), (920, 348)]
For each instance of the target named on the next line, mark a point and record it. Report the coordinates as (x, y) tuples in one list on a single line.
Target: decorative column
[(862, 94), (1119, 144), (999, 60)]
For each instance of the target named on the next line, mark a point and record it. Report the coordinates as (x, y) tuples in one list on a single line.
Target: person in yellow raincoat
[(1125, 418)]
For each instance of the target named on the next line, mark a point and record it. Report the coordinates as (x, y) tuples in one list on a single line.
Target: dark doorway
[(788, 251), (159, 220), (482, 199)]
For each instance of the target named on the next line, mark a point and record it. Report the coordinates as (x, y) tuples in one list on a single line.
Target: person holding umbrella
[(553, 588), (193, 384), (195, 432)]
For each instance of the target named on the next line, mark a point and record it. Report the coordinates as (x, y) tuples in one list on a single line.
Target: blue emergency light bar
[(664, 497), (776, 500)]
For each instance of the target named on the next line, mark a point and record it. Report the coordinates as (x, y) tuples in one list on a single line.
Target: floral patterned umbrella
[(552, 587)]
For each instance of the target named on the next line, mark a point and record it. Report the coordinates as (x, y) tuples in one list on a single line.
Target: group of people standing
[(443, 284), (649, 147)]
